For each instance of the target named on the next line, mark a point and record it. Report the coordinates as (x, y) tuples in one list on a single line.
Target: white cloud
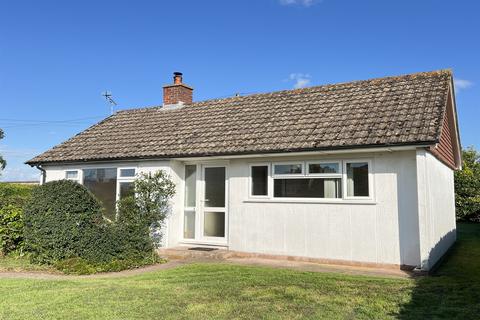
[(19, 173), (304, 3), (302, 80), (16, 170), (461, 84)]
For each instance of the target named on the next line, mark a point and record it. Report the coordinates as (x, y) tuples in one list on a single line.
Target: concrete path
[(174, 263)]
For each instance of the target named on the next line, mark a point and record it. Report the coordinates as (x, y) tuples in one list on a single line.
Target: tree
[(467, 186), (3, 163), (149, 207)]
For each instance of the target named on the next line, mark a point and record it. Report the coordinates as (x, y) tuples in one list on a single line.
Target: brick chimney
[(178, 92)]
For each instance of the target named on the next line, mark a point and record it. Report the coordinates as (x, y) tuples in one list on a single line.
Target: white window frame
[(123, 179), (77, 179), (323, 175), (370, 179), (269, 180), (126, 168), (288, 175), (306, 175), (194, 209), (342, 175)]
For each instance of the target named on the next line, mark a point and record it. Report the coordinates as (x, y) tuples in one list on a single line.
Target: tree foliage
[(64, 225), (148, 209), (12, 199), (63, 220), (467, 186)]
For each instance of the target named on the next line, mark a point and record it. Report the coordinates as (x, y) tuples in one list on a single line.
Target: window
[(103, 183), (322, 180), (127, 173), (190, 202), (323, 168), (259, 184), (357, 179), (280, 169), (71, 175), (127, 189), (313, 179), (307, 188)]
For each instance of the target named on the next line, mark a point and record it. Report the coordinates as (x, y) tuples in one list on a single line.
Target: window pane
[(288, 168), (126, 189), (190, 185), (259, 180), (71, 174), (215, 187), (189, 225), (127, 173), (323, 168), (357, 179), (102, 183), (307, 188), (214, 224)]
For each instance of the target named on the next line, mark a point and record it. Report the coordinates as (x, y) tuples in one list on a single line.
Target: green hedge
[(12, 199), (64, 220), (64, 226)]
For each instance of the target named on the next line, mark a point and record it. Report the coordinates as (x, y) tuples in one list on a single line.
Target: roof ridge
[(447, 71)]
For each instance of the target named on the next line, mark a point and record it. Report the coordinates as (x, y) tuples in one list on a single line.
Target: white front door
[(213, 198), (205, 212)]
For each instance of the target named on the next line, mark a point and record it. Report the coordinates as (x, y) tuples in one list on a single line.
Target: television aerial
[(108, 97)]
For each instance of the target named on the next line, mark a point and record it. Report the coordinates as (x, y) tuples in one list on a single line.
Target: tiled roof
[(392, 111)]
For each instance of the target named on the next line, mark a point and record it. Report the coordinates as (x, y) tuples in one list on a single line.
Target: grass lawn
[(15, 264), (204, 291)]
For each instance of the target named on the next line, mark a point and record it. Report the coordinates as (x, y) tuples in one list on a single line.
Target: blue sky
[(56, 57)]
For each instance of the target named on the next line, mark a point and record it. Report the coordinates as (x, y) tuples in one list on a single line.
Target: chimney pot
[(177, 77)]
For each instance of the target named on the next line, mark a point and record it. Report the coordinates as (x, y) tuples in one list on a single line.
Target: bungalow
[(358, 173)]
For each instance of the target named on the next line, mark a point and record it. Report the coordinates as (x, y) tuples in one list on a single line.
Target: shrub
[(62, 220), (12, 199), (11, 229), (81, 266), (134, 229), (467, 186), (15, 194), (152, 195), (64, 226)]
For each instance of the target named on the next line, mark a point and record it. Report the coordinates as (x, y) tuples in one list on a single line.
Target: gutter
[(253, 154)]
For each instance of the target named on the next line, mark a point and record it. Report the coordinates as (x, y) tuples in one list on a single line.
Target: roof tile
[(386, 111)]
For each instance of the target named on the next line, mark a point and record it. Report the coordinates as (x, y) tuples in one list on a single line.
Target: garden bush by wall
[(12, 199), (64, 220)]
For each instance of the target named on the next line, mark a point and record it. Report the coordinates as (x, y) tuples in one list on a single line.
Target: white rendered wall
[(383, 231), (436, 201)]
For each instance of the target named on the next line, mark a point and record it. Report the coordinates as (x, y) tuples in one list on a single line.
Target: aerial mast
[(109, 99)]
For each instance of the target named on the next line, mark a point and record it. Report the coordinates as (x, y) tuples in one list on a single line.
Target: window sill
[(319, 201)]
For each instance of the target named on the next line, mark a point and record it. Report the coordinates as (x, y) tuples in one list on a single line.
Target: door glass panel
[(103, 184), (190, 183), (189, 224), (214, 224), (215, 187)]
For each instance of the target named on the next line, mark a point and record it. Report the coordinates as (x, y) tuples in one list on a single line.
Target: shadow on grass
[(453, 290)]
